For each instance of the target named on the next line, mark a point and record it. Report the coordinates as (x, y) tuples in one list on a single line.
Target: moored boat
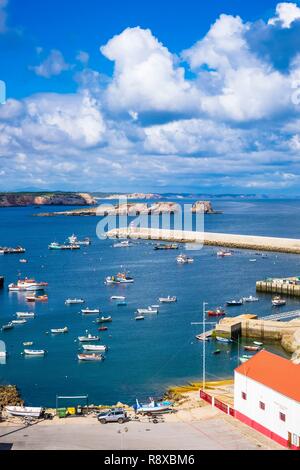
[(74, 301), (103, 328), (258, 343), (88, 337), (278, 301), (218, 312), (89, 311), (60, 330), (34, 352), (220, 339), (104, 320), (234, 303), (120, 278), (166, 246), (28, 344), (27, 285), (151, 310), (252, 348), (25, 315), (184, 259), (223, 253), (90, 357), (19, 322), (123, 244), (7, 327), (139, 317), (64, 246), (251, 298), (118, 297), (92, 347), (168, 300)]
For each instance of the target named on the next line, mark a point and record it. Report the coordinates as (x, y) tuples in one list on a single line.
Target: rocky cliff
[(46, 199), (205, 206)]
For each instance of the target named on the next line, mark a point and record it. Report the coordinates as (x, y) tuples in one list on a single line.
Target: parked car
[(118, 415)]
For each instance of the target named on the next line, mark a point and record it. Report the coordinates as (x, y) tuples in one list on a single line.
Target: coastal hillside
[(46, 199)]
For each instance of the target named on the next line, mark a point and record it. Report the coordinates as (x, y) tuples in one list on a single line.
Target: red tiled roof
[(274, 372)]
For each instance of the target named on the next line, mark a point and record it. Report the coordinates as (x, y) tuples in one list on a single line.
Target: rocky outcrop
[(136, 196), (205, 206), (291, 343), (46, 199)]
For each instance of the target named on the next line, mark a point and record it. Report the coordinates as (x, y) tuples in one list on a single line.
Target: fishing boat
[(184, 259), (89, 311), (120, 278), (151, 310), (12, 251), (27, 285), (28, 344), (34, 352), (91, 347), (90, 357), (278, 301), (7, 327), (234, 303), (118, 297), (139, 317), (218, 312), (74, 301), (73, 240), (19, 322), (103, 328), (59, 246), (153, 407), (59, 331), (87, 338), (223, 340), (252, 348), (104, 320), (25, 315), (164, 246), (223, 253), (251, 299), (24, 411), (168, 300), (123, 244)]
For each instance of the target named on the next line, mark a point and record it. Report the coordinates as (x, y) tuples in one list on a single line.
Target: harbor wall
[(284, 287), (284, 245)]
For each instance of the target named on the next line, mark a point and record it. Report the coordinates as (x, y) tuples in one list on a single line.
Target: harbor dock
[(257, 243), (287, 286)]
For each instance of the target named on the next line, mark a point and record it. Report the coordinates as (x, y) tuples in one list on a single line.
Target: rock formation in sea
[(46, 199)]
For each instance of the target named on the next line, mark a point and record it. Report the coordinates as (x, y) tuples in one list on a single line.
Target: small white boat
[(118, 297), (25, 315), (32, 352), (151, 310), (250, 299), (123, 244), (87, 338), (74, 301), (19, 322), (28, 344), (89, 311), (184, 259), (224, 253), (92, 347), (253, 260), (90, 357), (59, 331), (24, 411), (168, 300), (278, 301), (258, 343), (23, 261), (223, 340)]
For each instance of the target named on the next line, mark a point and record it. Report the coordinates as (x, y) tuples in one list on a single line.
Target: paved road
[(216, 433)]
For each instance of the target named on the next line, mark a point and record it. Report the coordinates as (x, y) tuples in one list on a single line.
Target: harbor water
[(146, 357)]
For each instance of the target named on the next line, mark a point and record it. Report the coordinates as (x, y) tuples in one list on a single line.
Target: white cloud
[(83, 57), (146, 76), (286, 14), (3, 16), (54, 65)]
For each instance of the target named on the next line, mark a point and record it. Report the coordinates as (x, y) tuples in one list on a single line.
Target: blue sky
[(150, 96)]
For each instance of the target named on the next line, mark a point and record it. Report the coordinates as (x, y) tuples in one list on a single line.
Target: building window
[(262, 405), (282, 416), (244, 396)]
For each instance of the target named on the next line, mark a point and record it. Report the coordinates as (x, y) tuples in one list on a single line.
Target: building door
[(290, 440)]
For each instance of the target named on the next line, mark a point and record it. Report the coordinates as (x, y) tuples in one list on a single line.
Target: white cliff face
[(67, 199)]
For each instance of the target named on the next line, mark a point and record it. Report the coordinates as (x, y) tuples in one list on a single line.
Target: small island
[(46, 199)]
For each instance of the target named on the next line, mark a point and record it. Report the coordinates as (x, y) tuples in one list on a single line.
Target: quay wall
[(284, 245), (284, 288)]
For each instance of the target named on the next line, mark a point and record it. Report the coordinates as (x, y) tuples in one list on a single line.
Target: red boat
[(103, 328), (219, 312)]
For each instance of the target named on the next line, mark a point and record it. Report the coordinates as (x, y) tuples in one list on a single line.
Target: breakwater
[(257, 243), (286, 286)]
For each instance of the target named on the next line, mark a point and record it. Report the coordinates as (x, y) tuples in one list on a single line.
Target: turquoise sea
[(144, 358)]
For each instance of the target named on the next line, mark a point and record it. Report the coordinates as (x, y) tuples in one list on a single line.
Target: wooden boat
[(7, 327), (60, 331), (32, 352), (89, 311), (104, 320), (90, 357), (219, 312), (25, 315), (93, 347), (223, 340), (168, 300), (252, 348), (87, 338), (24, 411)]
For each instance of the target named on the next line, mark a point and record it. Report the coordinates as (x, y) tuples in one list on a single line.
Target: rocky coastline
[(46, 199)]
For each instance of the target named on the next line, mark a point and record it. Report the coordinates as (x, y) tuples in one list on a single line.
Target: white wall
[(274, 404)]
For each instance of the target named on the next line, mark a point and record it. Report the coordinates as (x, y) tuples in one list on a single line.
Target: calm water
[(144, 358)]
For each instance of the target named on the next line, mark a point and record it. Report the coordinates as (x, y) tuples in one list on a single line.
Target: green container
[(61, 412)]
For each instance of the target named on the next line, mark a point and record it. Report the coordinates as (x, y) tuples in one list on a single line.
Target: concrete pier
[(283, 245), (287, 286)]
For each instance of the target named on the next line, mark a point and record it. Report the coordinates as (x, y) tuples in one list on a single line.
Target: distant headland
[(46, 199)]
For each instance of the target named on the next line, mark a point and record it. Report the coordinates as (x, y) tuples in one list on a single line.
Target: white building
[(267, 397)]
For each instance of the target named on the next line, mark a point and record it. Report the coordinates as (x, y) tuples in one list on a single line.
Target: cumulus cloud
[(83, 57), (53, 65), (286, 14)]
